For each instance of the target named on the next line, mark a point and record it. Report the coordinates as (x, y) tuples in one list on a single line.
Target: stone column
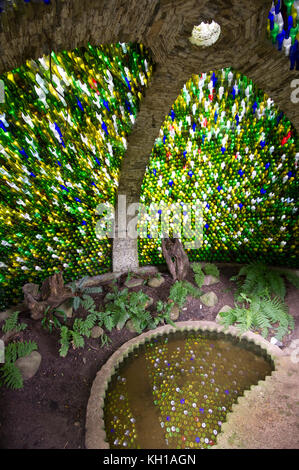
[(163, 90)]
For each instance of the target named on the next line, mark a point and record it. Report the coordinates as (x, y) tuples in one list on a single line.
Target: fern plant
[(10, 375), (49, 319), (260, 280), (180, 290), (82, 294), (75, 336), (199, 275), (11, 323), (211, 269), (263, 313)]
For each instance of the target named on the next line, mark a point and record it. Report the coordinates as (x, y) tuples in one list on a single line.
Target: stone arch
[(163, 26), (138, 157)]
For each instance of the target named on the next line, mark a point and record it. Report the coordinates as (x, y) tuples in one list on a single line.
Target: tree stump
[(176, 258), (53, 292)]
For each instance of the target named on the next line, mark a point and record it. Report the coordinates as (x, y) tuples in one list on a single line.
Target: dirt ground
[(49, 412)]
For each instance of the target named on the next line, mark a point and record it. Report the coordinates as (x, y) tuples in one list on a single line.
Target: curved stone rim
[(95, 437)]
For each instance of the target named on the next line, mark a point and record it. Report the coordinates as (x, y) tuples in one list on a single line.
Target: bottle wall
[(283, 29), (227, 147), (63, 130)]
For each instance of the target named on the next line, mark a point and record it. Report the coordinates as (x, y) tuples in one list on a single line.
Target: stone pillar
[(163, 90)]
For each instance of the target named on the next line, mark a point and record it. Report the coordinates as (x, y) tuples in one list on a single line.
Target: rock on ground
[(225, 308), (175, 312), (156, 282), (96, 332), (134, 282), (210, 280), (209, 299), (29, 365)]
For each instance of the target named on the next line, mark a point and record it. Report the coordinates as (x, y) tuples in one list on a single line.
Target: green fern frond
[(24, 348), (196, 267), (11, 376), (87, 302), (64, 341), (78, 340), (11, 322), (211, 269), (11, 352), (276, 283)]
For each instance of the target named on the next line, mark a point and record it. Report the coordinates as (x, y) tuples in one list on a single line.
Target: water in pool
[(175, 391)]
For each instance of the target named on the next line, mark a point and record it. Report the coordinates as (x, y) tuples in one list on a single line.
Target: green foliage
[(199, 275), (124, 306), (263, 313), (82, 294), (180, 290), (164, 310), (10, 374), (49, 320), (75, 336), (105, 340), (65, 337), (211, 269), (11, 323), (261, 280)]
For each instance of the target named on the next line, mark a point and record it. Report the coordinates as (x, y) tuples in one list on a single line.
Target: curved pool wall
[(95, 426)]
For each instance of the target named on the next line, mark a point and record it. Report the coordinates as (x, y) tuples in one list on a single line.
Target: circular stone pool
[(175, 390)]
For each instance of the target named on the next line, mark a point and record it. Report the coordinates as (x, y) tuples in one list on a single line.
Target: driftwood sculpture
[(176, 258), (53, 293)]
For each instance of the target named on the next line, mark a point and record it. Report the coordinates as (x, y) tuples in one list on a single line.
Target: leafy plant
[(82, 294), (180, 290), (263, 313), (260, 280), (105, 340), (11, 323), (124, 306), (199, 275), (164, 310), (75, 336), (10, 374), (211, 269), (49, 319)]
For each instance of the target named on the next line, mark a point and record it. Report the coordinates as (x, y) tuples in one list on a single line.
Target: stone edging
[(95, 437)]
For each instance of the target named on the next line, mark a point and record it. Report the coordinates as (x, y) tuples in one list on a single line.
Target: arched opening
[(228, 153)]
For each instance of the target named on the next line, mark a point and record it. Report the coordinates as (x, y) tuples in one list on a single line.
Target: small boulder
[(209, 299), (29, 365), (209, 280), (133, 282), (67, 308), (156, 282), (131, 327), (149, 302), (4, 315), (225, 308), (96, 332), (174, 312)]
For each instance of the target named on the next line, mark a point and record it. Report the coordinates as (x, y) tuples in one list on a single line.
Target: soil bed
[(49, 412)]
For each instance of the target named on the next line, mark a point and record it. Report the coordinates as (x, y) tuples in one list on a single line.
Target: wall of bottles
[(227, 148), (63, 129), (283, 29)]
